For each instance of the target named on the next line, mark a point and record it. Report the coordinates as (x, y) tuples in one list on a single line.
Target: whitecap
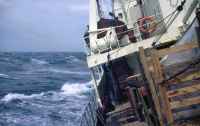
[(40, 62), (73, 59), (70, 57), (69, 89), (76, 88), (68, 72), (12, 96), (3, 76)]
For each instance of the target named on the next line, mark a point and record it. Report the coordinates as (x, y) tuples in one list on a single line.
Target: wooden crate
[(170, 95)]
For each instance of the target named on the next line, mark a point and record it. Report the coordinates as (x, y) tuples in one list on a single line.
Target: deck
[(123, 116)]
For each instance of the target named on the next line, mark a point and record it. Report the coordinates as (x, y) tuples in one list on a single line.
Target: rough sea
[(43, 89)]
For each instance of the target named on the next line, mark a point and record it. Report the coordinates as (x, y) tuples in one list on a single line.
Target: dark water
[(43, 89)]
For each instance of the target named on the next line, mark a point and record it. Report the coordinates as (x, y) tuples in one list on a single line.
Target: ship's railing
[(136, 28), (89, 117), (158, 22)]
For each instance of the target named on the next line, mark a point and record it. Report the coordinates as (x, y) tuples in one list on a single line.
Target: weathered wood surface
[(144, 62), (159, 77), (184, 91), (161, 94), (177, 49), (121, 116), (185, 102)]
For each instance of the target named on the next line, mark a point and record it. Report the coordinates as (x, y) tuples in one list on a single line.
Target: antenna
[(99, 8)]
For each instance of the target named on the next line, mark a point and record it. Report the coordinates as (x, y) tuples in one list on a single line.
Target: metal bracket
[(198, 15)]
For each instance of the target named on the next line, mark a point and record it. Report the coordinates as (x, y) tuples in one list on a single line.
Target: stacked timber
[(175, 88)]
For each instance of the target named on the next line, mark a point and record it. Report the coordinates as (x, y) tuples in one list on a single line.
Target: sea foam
[(12, 96), (67, 71), (4, 76), (68, 89), (77, 88), (73, 59), (40, 62)]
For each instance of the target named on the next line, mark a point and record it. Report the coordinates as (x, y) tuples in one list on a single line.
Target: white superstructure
[(130, 12)]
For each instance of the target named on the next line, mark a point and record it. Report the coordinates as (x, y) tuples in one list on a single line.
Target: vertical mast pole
[(93, 19)]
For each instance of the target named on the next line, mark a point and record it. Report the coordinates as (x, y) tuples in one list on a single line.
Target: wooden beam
[(159, 77), (184, 91), (191, 76), (177, 49), (143, 60), (185, 102)]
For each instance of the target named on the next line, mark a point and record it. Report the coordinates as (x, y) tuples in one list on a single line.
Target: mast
[(100, 12), (93, 19)]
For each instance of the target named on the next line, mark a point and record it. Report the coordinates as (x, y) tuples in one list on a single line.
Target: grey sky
[(42, 25)]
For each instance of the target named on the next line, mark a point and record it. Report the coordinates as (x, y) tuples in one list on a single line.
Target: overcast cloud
[(42, 25)]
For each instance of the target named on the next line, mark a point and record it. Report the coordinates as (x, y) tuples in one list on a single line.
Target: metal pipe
[(96, 88), (92, 114), (190, 10)]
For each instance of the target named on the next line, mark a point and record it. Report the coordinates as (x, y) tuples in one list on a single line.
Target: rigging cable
[(159, 22), (175, 15)]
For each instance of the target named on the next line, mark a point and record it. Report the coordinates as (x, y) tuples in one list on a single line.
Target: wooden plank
[(159, 77), (143, 60), (187, 113), (191, 76), (184, 91), (185, 102), (177, 49)]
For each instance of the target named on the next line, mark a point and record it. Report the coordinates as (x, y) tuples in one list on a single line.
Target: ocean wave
[(77, 88), (4, 76), (73, 59), (68, 89), (12, 96), (39, 62), (68, 72)]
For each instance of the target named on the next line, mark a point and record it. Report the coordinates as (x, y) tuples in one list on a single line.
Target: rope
[(173, 16)]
